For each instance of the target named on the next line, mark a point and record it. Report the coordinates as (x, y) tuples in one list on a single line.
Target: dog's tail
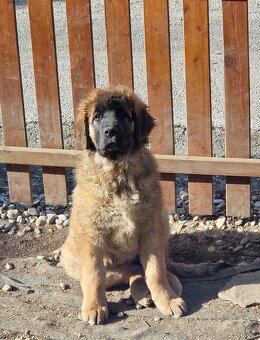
[(200, 269)]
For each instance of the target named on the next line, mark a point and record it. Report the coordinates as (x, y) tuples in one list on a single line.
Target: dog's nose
[(109, 132)]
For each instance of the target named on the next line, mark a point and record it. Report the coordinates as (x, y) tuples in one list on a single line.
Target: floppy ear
[(81, 126), (144, 121)]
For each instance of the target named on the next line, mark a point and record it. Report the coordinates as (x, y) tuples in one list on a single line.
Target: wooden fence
[(199, 163)]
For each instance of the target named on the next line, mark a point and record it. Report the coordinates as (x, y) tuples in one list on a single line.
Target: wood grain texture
[(237, 112), (47, 93), (119, 48), (198, 101), (182, 164), (157, 43), (11, 99), (81, 52)]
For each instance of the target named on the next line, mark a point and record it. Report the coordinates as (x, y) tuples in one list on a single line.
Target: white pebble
[(220, 221), (211, 249), (40, 257), (12, 214), (239, 222), (59, 222), (7, 288), (64, 286), (9, 266), (62, 217), (66, 223), (20, 219), (32, 212), (41, 220)]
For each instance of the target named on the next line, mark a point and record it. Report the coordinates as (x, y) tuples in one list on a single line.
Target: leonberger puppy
[(118, 229)]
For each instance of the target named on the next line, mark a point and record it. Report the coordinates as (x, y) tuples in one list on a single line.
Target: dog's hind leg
[(200, 269)]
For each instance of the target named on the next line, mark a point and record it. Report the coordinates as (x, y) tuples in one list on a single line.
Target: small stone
[(7, 288), (240, 229), (120, 314), (32, 212), (40, 257), (211, 249), (3, 215), (20, 207), (64, 286), (41, 220), (51, 218), (252, 224), (13, 230), (184, 196), (38, 200), (179, 204), (220, 206), (238, 248), (244, 241), (254, 198), (62, 217), (9, 266), (257, 205), (66, 223), (181, 211), (20, 219), (59, 222), (157, 319), (27, 229), (220, 221), (129, 302), (7, 227), (25, 214), (195, 218), (219, 242), (218, 201), (239, 222), (230, 248), (3, 224), (11, 206), (176, 217), (12, 214), (37, 231), (20, 233)]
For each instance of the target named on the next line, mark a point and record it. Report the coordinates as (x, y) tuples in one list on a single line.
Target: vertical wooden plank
[(196, 31), (81, 51), (11, 99), (47, 93), (119, 49), (237, 114), (158, 65)]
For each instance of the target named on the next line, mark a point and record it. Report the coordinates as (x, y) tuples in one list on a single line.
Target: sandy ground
[(40, 309)]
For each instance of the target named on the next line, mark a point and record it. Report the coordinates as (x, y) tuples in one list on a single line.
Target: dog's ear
[(143, 120), (81, 126)]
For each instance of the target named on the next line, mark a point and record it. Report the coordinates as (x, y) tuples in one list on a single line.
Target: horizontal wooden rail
[(167, 163)]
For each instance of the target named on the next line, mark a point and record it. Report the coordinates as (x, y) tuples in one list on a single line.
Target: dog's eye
[(123, 114), (98, 116)]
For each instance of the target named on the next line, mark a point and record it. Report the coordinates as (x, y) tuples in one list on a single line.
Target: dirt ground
[(40, 309)]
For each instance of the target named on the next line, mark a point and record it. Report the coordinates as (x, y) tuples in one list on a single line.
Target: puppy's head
[(114, 120)]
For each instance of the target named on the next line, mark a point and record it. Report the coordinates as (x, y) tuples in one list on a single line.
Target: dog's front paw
[(94, 316), (176, 307)]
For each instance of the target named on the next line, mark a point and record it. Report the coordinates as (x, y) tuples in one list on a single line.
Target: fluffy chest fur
[(118, 203)]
